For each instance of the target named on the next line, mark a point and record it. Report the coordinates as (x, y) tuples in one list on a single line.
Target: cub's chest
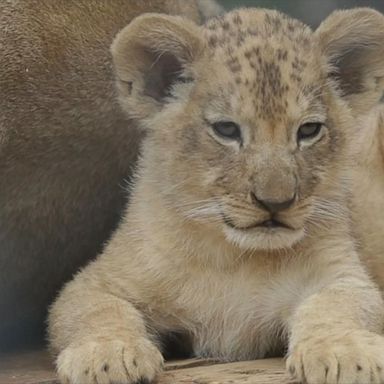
[(235, 315)]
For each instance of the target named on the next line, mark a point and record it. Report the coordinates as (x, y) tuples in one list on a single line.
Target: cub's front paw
[(109, 362), (355, 357)]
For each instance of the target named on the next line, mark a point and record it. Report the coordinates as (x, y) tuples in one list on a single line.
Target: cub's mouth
[(270, 224), (268, 234), (273, 223)]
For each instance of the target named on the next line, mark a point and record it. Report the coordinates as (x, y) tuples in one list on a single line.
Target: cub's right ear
[(150, 55)]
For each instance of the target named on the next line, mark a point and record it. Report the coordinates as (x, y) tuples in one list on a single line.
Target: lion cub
[(238, 233)]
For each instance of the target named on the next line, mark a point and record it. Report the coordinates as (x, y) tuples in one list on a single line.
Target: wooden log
[(268, 371), (35, 367)]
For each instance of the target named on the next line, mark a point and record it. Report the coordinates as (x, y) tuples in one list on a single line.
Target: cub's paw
[(109, 362), (355, 357)]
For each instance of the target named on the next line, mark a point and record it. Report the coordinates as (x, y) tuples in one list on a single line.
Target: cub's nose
[(272, 206)]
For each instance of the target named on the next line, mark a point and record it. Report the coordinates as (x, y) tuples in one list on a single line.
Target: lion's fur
[(368, 197), (176, 265)]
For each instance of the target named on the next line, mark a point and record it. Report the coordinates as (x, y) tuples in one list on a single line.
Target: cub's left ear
[(152, 54), (353, 42)]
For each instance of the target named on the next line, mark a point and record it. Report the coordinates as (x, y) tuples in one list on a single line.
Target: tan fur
[(190, 256), (368, 196), (66, 149)]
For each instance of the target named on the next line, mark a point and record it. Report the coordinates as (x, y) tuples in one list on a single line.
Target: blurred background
[(311, 12)]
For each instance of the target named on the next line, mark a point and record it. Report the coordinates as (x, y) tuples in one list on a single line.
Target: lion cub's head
[(248, 118)]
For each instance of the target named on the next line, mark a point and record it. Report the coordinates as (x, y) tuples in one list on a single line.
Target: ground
[(35, 367)]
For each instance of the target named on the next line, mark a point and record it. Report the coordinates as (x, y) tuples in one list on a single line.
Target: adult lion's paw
[(109, 362), (356, 357)]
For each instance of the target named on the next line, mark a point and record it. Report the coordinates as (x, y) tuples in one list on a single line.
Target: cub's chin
[(264, 237)]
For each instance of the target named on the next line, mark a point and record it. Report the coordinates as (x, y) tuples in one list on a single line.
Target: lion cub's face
[(248, 119)]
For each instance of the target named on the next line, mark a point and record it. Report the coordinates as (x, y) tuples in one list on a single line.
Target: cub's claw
[(110, 362), (355, 357)]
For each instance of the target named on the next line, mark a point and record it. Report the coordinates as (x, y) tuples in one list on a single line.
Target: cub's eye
[(309, 131), (227, 129)]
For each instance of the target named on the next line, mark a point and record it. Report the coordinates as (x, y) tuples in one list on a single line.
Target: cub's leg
[(100, 338), (334, 330)]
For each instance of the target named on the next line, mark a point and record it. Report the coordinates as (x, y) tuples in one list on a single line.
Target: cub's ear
[(353, 42), (150, 56)]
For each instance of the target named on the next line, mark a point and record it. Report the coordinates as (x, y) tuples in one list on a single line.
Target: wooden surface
[(270, 371), (36, 368)]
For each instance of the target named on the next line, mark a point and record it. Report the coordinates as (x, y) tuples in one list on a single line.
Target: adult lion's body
[(65, 147), (368, 194)]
